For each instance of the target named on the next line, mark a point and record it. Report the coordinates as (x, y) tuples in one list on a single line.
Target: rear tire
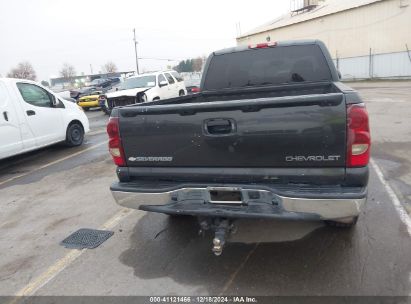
[(106, 110), (181, 93), (74, 134), (345, 223)]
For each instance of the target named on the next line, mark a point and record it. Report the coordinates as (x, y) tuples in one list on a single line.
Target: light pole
[(135, 49)]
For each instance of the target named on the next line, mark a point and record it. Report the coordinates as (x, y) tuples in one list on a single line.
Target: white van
[(32, 117)]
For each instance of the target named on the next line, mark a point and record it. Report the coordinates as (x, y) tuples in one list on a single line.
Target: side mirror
[(163, 83), (116, 89)]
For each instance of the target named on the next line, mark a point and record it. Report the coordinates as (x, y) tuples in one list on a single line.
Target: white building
[(366, 38)]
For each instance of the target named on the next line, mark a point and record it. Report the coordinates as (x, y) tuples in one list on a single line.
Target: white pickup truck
[(143, 88), (32, 117)]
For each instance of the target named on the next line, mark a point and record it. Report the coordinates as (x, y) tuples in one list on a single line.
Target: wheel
[(106, 110), (86, 109), (344, 223), (143, 97), (74, 135), (181, 93)]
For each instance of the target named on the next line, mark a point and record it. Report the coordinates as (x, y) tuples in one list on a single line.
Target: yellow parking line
[(65, 261), (53, 162)]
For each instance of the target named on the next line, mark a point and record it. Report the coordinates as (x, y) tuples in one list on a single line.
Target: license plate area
[(225, 195)]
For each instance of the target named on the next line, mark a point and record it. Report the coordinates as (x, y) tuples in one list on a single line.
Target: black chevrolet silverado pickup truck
[(273, 134)]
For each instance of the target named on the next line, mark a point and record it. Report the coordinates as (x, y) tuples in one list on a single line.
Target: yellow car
[(89, 101)]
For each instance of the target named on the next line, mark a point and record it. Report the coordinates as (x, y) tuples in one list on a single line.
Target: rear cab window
[(267, 66), (161, 78), (177, 76), (169, 78)]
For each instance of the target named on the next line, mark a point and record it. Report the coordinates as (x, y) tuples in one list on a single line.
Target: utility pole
[(135, 49)]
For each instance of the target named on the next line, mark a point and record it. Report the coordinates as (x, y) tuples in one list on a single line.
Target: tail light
[(195, 90), (358, 136), (114, 144)]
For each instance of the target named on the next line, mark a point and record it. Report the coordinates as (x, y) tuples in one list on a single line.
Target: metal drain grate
[(86, 238)]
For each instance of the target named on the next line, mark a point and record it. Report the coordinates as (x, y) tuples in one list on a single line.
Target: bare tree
[(68, 72), (109, 67), (197, 64), (24, 70)]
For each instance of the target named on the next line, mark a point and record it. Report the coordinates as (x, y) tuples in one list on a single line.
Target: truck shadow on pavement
[(327, 261)]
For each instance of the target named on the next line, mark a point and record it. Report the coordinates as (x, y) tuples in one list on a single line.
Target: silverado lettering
[(151, 159)]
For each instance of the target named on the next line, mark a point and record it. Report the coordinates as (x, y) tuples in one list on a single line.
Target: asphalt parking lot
[(48, 194)]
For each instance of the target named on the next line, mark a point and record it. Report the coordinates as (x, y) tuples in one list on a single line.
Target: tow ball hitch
[(221, 228)]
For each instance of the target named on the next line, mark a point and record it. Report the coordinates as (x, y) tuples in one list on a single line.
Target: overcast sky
[(48, 33)]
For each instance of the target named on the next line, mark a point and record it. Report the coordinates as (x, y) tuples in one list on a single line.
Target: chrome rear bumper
[(255, 202)]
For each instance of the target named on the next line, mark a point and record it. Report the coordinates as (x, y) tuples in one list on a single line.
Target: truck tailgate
[(296, 131)]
